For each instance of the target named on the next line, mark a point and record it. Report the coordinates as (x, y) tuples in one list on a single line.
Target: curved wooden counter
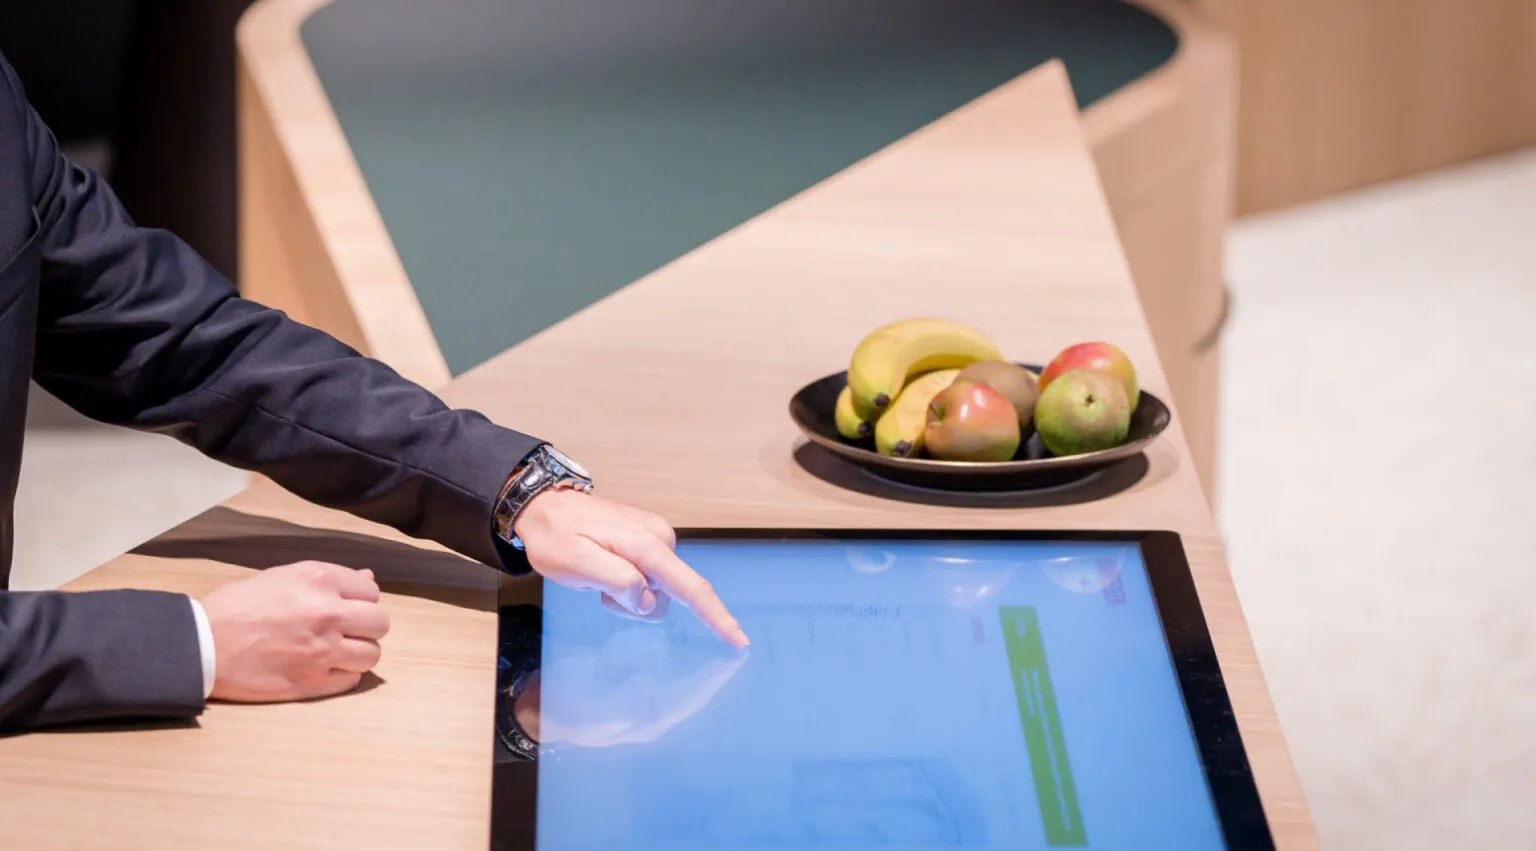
[(673, 391), (1165, 150), (314, 241)]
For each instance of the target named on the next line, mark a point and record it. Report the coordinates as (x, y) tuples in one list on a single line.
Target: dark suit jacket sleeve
[(136, 329), (69, 658)]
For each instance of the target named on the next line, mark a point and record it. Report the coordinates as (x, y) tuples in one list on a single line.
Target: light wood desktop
[(314, 244), (674, 392)]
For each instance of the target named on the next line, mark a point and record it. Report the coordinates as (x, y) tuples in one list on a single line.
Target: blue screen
[(897, 694)]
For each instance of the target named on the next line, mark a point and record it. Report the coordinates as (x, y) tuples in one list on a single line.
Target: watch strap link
[(541, 471)]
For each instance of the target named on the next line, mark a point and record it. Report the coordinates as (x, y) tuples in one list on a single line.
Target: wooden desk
[(435, 184), (674, 392)]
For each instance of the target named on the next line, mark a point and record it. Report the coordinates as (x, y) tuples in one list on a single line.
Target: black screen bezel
[(1208, 708)]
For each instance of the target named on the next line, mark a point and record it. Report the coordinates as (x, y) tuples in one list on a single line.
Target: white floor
[(1378, 497), (90, 492), (1379, 465)]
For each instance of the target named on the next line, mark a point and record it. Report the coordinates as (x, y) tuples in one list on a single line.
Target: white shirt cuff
[(204, 646)]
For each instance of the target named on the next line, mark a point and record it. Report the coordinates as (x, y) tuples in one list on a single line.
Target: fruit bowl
[(1032, 467)]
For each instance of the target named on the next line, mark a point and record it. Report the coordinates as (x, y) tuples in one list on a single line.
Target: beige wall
[(1336, 94)]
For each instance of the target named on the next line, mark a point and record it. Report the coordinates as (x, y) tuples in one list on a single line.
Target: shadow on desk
[(369, 682), (118, 725), (249, 540)]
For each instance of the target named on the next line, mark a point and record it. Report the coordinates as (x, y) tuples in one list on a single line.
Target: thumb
[(640, 603), (335, 682), (619, 580), (657, 611)]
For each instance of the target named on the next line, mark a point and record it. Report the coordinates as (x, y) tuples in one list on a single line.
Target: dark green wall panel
[(530, 157)]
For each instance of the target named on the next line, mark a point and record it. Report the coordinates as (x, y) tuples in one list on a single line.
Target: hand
[(294, 632), (588, 543)]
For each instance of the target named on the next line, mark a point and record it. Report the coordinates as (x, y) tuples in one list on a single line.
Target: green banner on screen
[(1042, 728)]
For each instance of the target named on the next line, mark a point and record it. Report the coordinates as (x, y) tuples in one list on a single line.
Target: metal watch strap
[(540, 471)]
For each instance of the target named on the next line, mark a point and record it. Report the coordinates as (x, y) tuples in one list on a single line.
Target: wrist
[(518, 525), (545, 469)]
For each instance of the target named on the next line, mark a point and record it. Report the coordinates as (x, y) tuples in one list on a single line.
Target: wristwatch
[(544, 469)]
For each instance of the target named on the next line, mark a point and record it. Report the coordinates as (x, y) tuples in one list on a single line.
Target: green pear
[(1082, 411)]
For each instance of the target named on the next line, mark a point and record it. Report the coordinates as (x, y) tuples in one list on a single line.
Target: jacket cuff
[(100, 655), (147, 644), (480, 468)]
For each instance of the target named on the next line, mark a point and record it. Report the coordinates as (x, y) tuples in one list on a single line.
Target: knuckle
[(645, 545), (323, 650), (315, 660), (699, 588), (664, 531), (314, 571), (316, 668), (325, 617)]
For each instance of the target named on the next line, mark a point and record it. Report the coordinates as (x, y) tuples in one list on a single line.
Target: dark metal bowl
[(1032, 467)]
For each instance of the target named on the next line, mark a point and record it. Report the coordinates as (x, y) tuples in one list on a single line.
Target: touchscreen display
[(897, 694)]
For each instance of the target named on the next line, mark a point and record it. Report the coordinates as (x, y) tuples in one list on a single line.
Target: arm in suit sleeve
[(136, 329), (91, 656)]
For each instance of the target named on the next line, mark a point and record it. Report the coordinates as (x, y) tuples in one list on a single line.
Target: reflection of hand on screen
[(633, 689)]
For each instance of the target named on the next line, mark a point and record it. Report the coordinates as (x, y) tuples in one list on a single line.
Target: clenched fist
[(294, 632)]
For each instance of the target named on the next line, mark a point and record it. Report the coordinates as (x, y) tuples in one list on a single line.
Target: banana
[(891, 354), (850, 423), (899, 431)]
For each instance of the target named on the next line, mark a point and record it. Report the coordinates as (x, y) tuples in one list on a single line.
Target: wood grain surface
[(674, 392), (313, 242), (401, 763), (1339, 94), (1165, 146)]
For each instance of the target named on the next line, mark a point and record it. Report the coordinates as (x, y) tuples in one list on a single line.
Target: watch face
[(567, 462)]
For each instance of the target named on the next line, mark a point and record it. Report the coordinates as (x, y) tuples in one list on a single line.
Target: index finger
[(682, 583)]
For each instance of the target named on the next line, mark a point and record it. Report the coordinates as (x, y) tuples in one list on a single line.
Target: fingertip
[(733, 635)]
